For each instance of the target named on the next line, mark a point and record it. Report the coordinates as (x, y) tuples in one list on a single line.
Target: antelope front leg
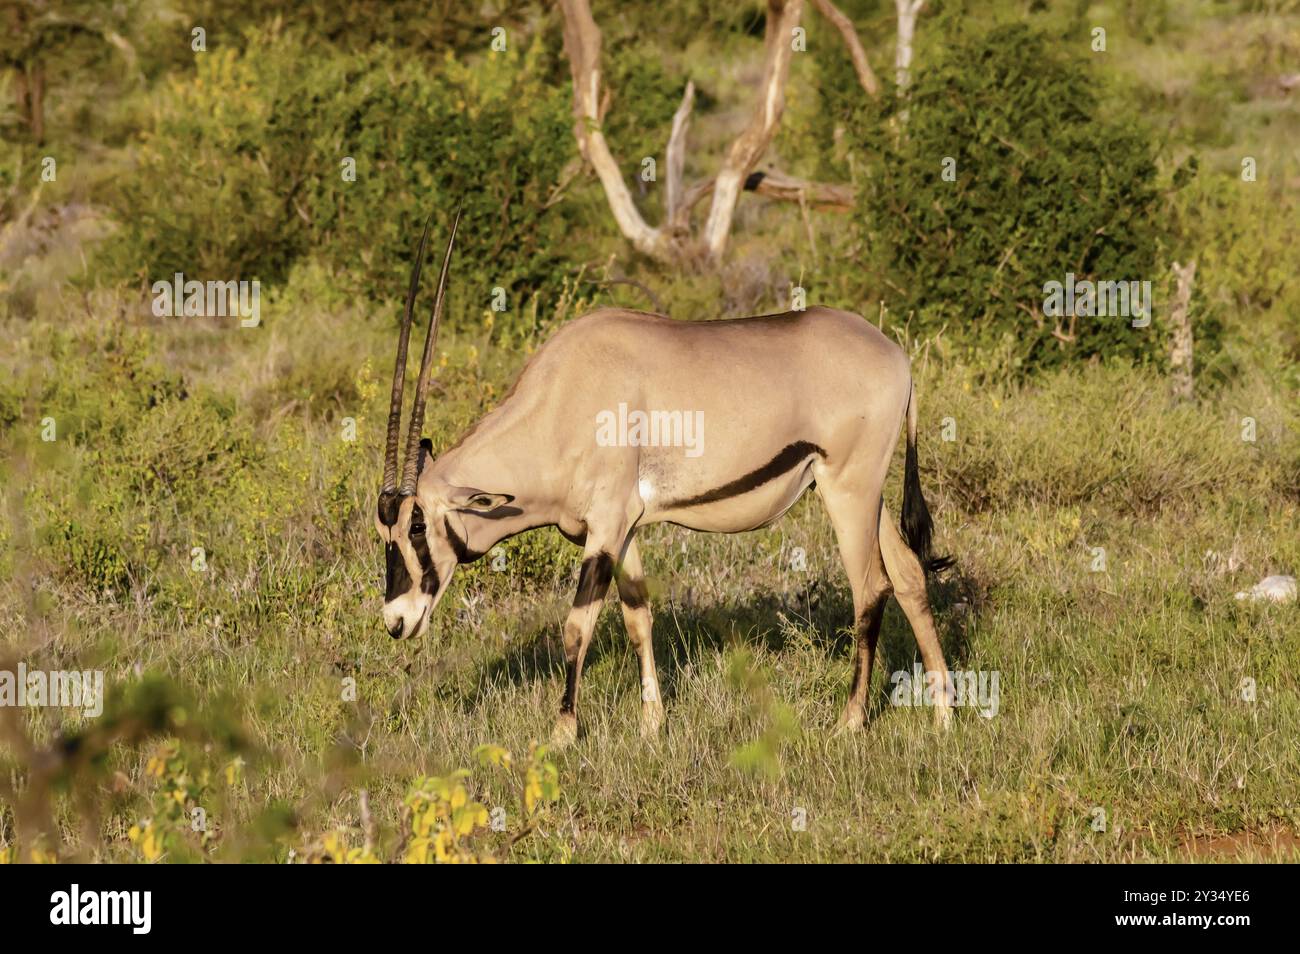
[(593, 584), (637, 618)]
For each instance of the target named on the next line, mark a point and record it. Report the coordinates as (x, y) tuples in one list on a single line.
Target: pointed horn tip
[(392, 463), (416, 426)]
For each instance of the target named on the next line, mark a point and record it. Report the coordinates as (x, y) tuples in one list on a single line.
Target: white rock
[(1278, 589)]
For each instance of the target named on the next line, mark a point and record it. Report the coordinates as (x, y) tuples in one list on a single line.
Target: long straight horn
[(411, 464), (399, 372)]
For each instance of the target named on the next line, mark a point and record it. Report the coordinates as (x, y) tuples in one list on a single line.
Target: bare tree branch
[(908, 11), (582, 43), (866, 76), (677, 153), (782, 18)]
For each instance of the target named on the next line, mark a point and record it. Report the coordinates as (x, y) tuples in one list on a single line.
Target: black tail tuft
[(917, 525)]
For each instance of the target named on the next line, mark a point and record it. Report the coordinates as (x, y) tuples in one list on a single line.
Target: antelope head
[(422, 548)]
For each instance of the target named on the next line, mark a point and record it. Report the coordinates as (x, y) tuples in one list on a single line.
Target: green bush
[(142, 467), (1240, 234), (1049, 179), (243, 173)]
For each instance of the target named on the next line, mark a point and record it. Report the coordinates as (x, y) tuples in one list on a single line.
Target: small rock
[(1277, 589)]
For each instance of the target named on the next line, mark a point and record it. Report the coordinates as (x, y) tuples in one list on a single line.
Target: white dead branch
[(671, 240)]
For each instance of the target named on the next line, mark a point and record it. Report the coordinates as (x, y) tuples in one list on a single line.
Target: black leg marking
[(570, 687), (593, 584), (633, 593), (593, 580)]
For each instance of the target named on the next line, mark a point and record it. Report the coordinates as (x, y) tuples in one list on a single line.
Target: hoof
[(565, 732), (852, 719), (652, 719), (943, 717)]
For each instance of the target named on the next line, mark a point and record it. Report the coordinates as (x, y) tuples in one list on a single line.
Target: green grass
[(1119, 690)]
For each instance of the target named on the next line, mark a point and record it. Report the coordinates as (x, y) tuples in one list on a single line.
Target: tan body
[(823, 378), (779, 402)]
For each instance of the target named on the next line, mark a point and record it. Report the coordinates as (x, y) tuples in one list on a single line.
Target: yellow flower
[(333, 845)]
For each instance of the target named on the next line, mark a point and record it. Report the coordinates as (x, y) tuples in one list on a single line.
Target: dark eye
[(417, 529)]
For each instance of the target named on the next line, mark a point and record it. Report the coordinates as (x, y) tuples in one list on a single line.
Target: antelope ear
[(477, 501), (426, 451)]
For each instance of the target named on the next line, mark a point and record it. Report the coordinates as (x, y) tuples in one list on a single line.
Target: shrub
[(243, 174), (442, 823), (1049, 179)]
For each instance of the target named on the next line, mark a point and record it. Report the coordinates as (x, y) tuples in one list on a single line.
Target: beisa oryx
[(790, 400)]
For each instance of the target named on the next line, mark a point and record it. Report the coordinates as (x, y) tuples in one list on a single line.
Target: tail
[(916, 523)]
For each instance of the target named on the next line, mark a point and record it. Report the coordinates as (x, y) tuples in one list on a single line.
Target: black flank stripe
[(792, 455)]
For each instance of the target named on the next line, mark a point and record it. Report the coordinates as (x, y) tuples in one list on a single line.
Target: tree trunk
[(582, 42), (20, 95), (36, 100), (676, 157), (1180, 356), (908, 10)]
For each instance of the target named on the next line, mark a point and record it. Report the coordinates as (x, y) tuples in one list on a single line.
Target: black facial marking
[(398, 581), (463, 554), (398, 578), (390, 502), (420, 543), (792, 455)]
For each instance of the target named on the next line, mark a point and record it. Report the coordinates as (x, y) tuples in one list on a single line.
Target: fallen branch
[(830, 196)]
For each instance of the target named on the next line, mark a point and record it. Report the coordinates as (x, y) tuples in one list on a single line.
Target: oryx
[(790, 400)]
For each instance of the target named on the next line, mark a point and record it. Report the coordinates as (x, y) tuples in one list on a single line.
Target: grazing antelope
[(791, 400)]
